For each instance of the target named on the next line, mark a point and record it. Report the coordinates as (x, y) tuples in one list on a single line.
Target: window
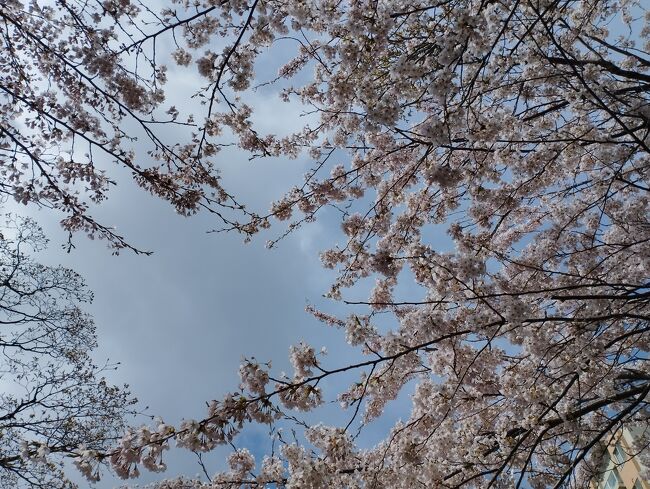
[(613, 481), (619, 456), (638, 484)]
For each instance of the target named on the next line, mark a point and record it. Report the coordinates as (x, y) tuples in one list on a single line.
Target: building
[(621, 469)]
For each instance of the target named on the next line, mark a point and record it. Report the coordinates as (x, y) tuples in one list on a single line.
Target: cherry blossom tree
[(54, 400), (518, 128)]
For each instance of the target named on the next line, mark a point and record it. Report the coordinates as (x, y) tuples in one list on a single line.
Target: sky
[(180, 321)]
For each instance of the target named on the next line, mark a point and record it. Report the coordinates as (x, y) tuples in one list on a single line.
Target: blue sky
[(180, 321)]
